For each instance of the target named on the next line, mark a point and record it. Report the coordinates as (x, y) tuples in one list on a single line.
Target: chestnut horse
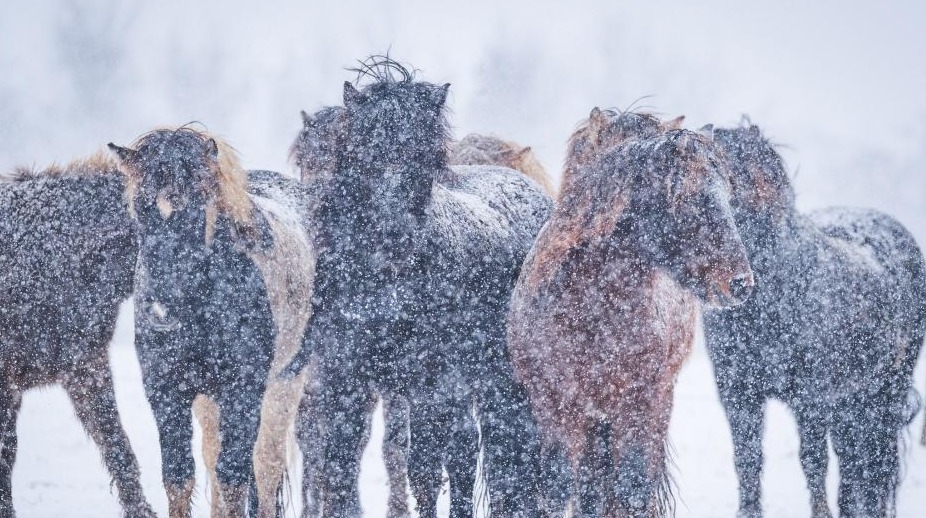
[(223, 286), (833, 331), (604, 312), (67, 249)]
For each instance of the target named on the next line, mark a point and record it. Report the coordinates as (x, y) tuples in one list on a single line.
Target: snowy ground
[(58, 471)]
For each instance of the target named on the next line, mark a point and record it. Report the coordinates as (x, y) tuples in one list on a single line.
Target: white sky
[(842, 84)]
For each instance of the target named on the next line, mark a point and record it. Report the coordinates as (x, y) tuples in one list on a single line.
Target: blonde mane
[(227, 186), (475, 149)]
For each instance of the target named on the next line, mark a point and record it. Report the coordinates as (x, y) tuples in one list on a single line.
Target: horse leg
[(93, 395), (425, 471), (175, 431), (395, 453), (592, 472), (278, 412), (556, 481), (206, 412), (745, 414), (813, 455), (512, 446), (346, 407), (10, 402), (462, 451), (311, 435), (239, 420)]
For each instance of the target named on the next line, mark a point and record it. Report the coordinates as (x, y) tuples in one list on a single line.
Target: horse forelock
[(607, 128), (380, 68), (225, 181)]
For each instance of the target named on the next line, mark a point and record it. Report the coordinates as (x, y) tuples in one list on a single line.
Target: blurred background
[(840, 85)]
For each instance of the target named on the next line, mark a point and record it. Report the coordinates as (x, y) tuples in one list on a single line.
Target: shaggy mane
[(230, 186), (597, 195)]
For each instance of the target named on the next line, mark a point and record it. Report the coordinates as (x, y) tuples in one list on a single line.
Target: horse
[(223, 282), (67, 250), (314, 154), (833, 331), (476, 149), (604, 312), (416, 263)]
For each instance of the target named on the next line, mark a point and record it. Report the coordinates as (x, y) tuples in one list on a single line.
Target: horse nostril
[(741, 286)]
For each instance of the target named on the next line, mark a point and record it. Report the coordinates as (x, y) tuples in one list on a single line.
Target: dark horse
[(314, 153), (67, 253), (604, 313), (416, 264), (223, 282), (833, 330)]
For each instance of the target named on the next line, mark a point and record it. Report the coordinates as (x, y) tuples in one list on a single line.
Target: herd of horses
[(541, 337)]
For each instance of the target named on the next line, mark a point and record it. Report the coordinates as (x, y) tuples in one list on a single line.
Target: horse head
[(187, 195), (763, 196), (679, 211), (316, 147)]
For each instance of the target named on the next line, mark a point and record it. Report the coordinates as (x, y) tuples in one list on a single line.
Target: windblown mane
[(605, 129), (100, 163), (382, 78), (598, 194), (227, 185), (475, 149)]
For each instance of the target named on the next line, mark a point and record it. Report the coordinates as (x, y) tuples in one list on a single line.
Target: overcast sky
[(841, 84)]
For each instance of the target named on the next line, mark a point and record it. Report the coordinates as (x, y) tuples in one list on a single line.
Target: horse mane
[(596, 198), (607, 128), (229, 185), (476, 149), (99, 163), (377, 78)]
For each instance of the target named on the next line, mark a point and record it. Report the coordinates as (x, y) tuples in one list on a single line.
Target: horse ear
[(124, 154), (307, 120), (596, 122), (707, 130), (212, 148), (675, 123), (352, 97), (439, 97)]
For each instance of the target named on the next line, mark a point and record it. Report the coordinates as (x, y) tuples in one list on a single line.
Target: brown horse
[(67, 250), (604, 312), (476, 149)]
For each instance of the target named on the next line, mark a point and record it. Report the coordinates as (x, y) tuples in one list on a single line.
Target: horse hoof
[(749, 512)]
